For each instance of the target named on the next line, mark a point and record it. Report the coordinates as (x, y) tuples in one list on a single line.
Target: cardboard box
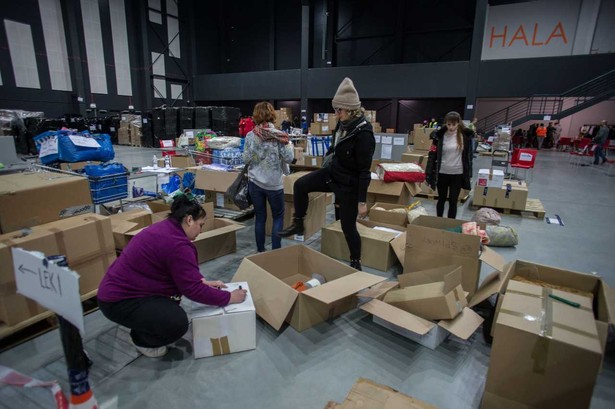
[(125, 222), (123, 136), (86, 241), (321, 128), (603, 295), (422, 140), (313, 221), (434, 294), (182, 161), (504, 197), (388, 216), (428, 245), (368, 394), (393, 192), (376, 127), (224, 330), (298, 153), (490, 178), (276, 301), (418, 158), (214, 180), (545, 353), (316, 161), (31, 198), (376, 251)]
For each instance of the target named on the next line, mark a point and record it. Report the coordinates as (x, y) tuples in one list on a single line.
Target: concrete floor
[(305, 370)]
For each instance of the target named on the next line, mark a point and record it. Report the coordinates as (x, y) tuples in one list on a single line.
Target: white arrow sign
[(52, 286)]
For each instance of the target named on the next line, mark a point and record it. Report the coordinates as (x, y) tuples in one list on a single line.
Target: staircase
[(560, 106)]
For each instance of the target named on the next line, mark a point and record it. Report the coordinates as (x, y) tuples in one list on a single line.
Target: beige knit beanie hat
[(346, 96)]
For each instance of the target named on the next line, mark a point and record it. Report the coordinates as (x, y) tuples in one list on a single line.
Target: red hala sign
[(520, 36)]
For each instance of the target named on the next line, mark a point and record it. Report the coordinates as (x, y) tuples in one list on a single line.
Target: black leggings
[(153, 321), (449, 187), (347, 199)]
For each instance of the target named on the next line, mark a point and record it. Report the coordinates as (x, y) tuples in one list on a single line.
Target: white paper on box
[(189, 134), (399, 141), (377, 138), (387, 140), (219, 199), (52, 286), (387, 152)]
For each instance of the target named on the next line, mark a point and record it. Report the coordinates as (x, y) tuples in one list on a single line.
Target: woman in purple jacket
[(143, 287)]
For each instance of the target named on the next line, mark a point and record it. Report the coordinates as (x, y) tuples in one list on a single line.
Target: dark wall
[(529, 76)]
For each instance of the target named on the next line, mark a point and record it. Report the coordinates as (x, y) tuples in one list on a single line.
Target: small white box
[(494, 178), (224, 330)]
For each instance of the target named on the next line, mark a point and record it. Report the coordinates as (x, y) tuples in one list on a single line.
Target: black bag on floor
[(238, 190)]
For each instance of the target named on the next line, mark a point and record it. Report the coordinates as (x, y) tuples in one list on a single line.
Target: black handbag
[(238, 190)]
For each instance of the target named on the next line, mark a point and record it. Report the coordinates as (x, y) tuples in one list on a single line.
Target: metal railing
[(556, 106)]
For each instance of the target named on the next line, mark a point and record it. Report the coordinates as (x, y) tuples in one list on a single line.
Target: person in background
[(550, 140), (472, 127), (143, 287), (345, 170), (433, 123), (557, 133), (267, 152), (541, 134), (531, 136), (449, 164), (600, 140)]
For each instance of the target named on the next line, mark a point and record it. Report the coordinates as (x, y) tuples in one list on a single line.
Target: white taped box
[(224, 330)]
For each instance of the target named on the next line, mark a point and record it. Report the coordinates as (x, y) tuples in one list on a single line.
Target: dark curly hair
[(183, 206)]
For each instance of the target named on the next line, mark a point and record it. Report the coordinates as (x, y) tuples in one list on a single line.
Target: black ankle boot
[(296, 227), (356, 264)]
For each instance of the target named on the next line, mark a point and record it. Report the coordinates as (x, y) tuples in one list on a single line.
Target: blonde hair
[(456, 118), (356, 113), (263, 112)]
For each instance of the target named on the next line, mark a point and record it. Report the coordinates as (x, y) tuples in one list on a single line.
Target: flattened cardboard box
[(546, 354), (276, 301), (603, 295), (376, 251), (389, 215), (371, 395), (224, 330), (502, 198), (28, 199), (87, 242), (428, 245), (434, 294)]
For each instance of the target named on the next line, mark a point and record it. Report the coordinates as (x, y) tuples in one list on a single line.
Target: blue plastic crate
[(107, 182)]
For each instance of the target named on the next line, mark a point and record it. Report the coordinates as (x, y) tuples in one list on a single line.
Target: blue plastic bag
[(69, 146)]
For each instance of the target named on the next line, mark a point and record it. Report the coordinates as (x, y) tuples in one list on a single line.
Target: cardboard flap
[(414, 188), (343, 287), (464, 325), (273, 299), (452, 280), (492, 258), (399, 247), (378, 290), (398, 317), (490, 285), (219, 230), (122, 226), (432, 275)]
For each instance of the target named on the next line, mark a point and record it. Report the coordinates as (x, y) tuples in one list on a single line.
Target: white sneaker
[(151, 352)]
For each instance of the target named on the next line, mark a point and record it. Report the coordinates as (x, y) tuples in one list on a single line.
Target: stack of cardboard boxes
[(323, 124), (129, 132), (493, 190), (370, 115), (281, 115)]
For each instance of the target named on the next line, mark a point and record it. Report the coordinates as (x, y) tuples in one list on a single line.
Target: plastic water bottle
[(155, 162), (167, 161)]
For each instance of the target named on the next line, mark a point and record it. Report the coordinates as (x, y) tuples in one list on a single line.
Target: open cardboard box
[(224, 330), (387, 215), (603, 296), (393, 192), (125, 222), (276, 301), (545, 353), (428, 245), (434, 294), (420, 330), (376, 251)]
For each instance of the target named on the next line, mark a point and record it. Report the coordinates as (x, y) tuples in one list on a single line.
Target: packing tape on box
[(220, 346), (540, 352), (59, 234), (541, 297)]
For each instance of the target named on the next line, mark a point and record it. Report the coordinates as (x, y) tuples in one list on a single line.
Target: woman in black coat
[(449, 166), (345, 171)]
